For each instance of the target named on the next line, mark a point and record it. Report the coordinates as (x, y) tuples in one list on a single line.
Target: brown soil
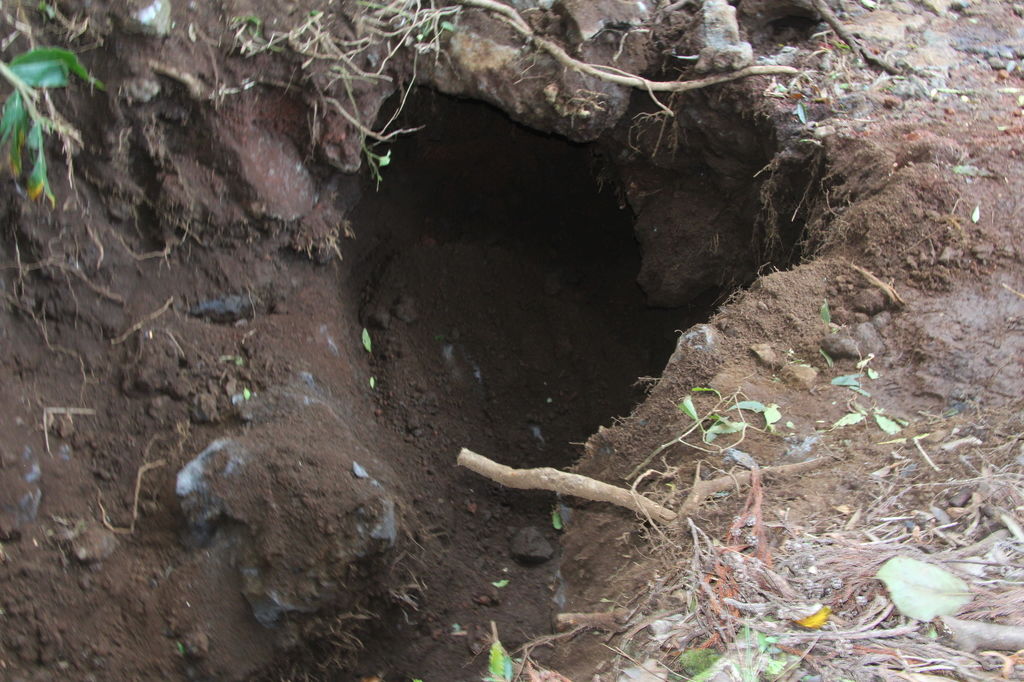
[(205, 284)]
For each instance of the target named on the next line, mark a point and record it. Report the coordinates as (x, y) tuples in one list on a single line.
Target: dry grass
[(739, 591)]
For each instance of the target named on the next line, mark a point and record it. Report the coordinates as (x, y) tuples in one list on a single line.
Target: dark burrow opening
[(498, 275)]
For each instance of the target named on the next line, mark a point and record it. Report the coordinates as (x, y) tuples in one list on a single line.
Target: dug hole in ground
[(722, 306)]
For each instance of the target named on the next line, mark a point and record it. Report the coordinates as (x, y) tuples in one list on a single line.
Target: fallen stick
[(973, 635), (833, 21), (612, 621), (546, 478), (887, 289)]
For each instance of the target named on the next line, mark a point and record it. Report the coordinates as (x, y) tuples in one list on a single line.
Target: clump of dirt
[(238, 374)]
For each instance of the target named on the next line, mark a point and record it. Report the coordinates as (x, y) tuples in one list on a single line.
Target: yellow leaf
[(816, 619), (34, 190)]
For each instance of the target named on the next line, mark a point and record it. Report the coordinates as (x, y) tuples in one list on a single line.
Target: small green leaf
[(367, 343), (921, 590), (828, 358), (246, 394), (687, 408), (887, 425), (556, 519), (500, 583), (751, 405), (180, 647), (772, 414), (849, 420), (704, 389), (973, 171), (976, 214), (826, 314), (38, 185), (499, 665), (800, 113), (723, 426), (447, 26), (384, 161), (373, 383), (872, 374), (847, 380)]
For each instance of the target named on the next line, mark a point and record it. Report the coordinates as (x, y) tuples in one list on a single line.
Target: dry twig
[(121, 338), (832, 20), (887, 289)]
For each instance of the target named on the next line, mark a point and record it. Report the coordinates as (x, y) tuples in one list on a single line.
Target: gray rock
[(854, 343), (700, 337), (195, 486), (529, 546), (152, 17), (868, 338), (722, 49), (734, 456), (587, 18)]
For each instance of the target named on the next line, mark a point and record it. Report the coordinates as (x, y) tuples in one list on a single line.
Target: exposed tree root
[(546, 478), (510, 16)]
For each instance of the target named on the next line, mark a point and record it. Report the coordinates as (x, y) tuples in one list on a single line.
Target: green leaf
[(887, 425), (847, 380), (500, 583), (976, 214), (556, 519), (751, 405), (13, 128), (384, 161), (872, 374), (373, 383), (367, 344), (849, 420), (499, 665), (38, 185), (828, 358), (973, 171), (800, 113), (246, 394), (772, 414), (826, 314), (721, 427), (688, 409), (48, 65), (921, 590), (704, 389)]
